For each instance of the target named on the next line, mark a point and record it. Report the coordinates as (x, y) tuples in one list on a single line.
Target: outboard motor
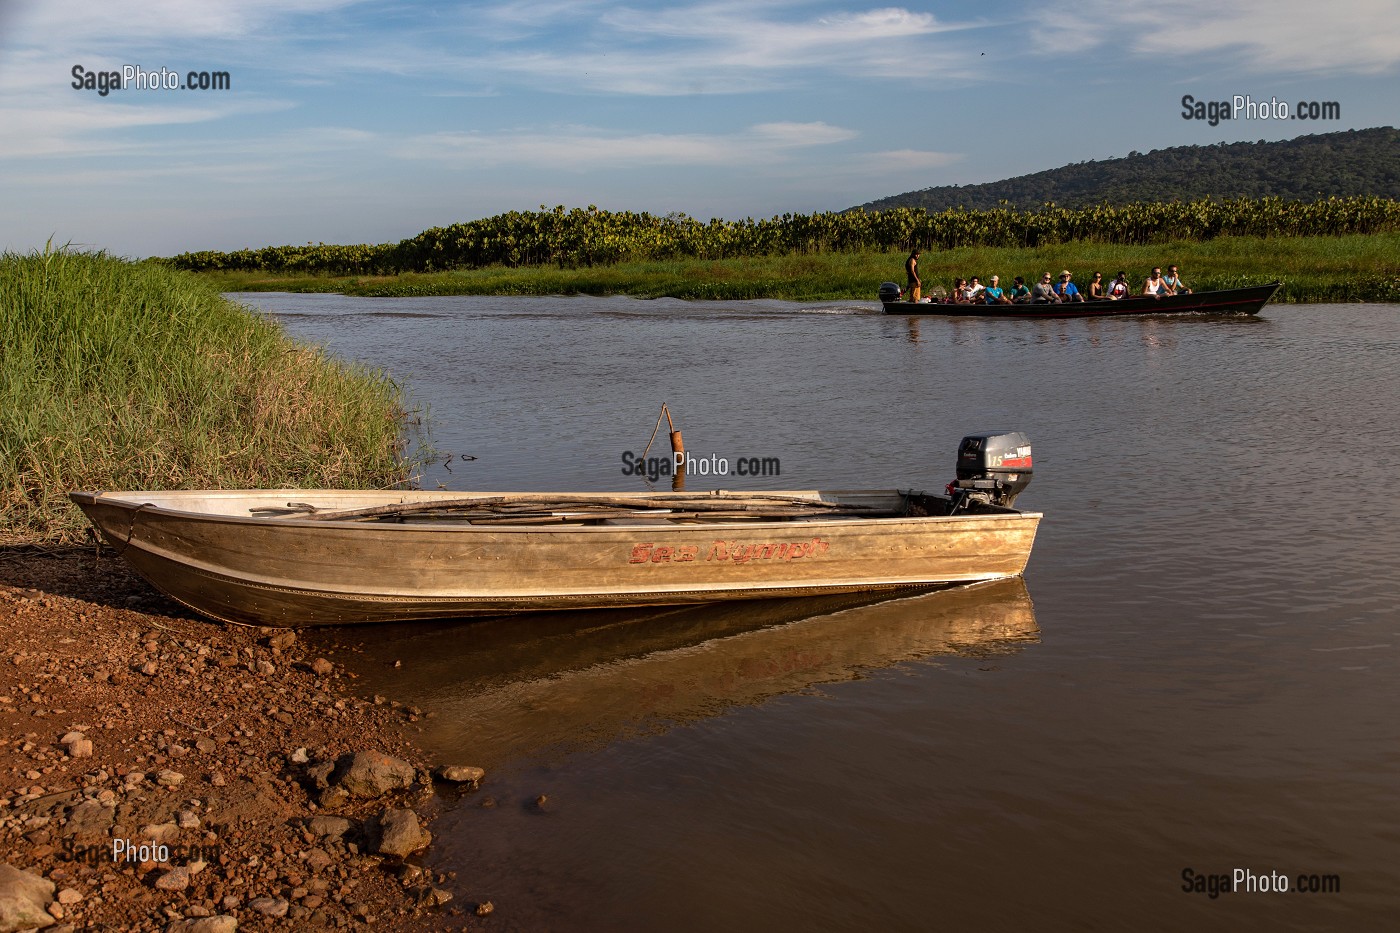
[(993, 468), (890, 291)]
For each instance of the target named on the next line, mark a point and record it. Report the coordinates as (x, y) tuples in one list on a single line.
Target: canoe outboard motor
[(890, 291), (993, 468)]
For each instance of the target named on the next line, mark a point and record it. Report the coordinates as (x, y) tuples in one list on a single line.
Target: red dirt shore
[(126, 720)]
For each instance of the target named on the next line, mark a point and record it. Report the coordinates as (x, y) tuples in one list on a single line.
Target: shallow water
[(1200, 671)]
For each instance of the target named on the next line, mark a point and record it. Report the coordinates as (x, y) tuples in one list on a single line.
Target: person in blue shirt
[(1173, 280), (1066, 290), (993, 293)]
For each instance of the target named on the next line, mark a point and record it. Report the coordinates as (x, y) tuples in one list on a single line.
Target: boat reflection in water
[(544, 685)]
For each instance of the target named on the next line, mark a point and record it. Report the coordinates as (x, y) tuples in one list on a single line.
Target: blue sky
[(351, 122)]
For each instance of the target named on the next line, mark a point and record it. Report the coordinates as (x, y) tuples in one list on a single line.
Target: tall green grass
[(121, 375), (1313, 269)]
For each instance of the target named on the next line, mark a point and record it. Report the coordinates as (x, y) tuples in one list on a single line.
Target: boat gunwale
[(446, 525)]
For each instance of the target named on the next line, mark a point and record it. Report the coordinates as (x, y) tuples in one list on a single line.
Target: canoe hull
[(293, 572), (1227, 301)]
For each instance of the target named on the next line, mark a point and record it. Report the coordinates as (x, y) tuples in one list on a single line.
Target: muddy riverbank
[(159, 771)]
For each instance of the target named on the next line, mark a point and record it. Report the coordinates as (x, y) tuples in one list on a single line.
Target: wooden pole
[(677, 443), (677, 448)]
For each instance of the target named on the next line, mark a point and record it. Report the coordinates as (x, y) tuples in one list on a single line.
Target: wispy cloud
[(729, 47), (44, 115), (154, 22), (76, 128), (904, 160), (705, 47), (733, 24), (1266, 36), (581, 148), (267, 160)]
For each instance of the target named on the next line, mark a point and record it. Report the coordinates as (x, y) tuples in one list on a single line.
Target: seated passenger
[(1066, 289), (1173, 281), (1019, 293), (1096, 287), (958, 296), (975, 290), (1043, 292), (1156, 286), (994, 294), (1119, 288)]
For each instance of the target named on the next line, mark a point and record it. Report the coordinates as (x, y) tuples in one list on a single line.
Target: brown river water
[(1199, 674)]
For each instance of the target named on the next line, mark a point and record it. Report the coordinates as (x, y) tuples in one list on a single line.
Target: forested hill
[(1356, 162)]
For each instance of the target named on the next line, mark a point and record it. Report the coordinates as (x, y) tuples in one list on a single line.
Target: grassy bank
[(1313, 269), (120, 375)]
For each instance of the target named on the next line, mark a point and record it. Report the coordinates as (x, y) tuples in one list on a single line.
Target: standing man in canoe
[(911, 269)]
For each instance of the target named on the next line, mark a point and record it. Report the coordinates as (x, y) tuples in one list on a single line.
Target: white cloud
[(906, 160), (577, 148), (153, 22), (729, 48), (743, 24), (708, 47), (795, 135), (1267, 36), (82, 128), (520, 19), (293, 158)]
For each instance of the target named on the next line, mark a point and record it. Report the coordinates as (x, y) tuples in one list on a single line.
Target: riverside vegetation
[(1339, 249), (122, 375), (159, 772)]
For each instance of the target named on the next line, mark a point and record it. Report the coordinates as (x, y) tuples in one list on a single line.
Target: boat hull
[(1228, 301), (198, 548)]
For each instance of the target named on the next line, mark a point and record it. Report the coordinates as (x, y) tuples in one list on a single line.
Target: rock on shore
[(24, 900), (240, 783)]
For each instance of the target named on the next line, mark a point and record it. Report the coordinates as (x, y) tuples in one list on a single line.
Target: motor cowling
[(890, 291), (993, 468)]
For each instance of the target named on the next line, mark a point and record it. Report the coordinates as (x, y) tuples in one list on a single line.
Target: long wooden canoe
[(1226, 301), (323, 557)]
